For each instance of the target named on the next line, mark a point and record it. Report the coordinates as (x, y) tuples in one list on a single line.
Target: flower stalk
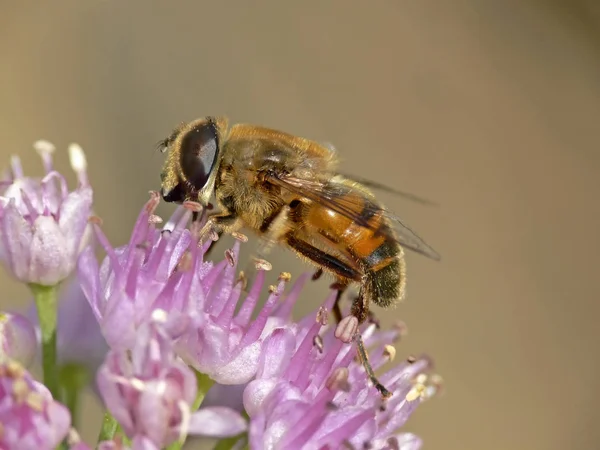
[(45, 301), (109, 427), (73, 378), (204, 383)]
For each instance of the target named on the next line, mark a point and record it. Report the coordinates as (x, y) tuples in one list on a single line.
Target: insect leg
[(218, 224), (360, 310), (336, 310), (324, 259), (198, 217), (359, 307), (364, 359)]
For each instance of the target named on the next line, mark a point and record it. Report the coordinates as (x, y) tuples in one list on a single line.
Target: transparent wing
[(350, 202), (382, 187)]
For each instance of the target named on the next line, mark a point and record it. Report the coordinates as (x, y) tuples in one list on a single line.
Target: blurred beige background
[(491, 108)]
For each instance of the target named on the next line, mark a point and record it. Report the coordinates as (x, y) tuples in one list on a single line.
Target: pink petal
[(255, 394), (73, 217), (241, 369), (60, 422), (277, 351), (118, 323), (217, 421), (17, 235), (50, 261), (256, 433), (89, 279), (113, 398), (152, 414), (18, 339), (141, 442)]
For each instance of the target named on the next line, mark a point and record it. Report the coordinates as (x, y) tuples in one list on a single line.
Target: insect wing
[(334, 196)]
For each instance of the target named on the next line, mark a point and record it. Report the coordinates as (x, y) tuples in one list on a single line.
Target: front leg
[(218, 224)]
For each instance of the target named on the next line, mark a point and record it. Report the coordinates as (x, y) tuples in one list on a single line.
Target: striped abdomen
[(367, 242)]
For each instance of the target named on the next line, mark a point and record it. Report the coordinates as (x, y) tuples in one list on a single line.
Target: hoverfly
[(288, 190)]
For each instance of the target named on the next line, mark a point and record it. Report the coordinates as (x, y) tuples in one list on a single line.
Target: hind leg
[(360, 310), (341, 287), (360, 306)]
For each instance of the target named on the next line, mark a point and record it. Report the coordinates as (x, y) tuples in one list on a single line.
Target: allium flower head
[(165, 269), (41, 223), (225, 345), (18, 339), (310, 392), (139, 277), (150, 392), (29, 418)]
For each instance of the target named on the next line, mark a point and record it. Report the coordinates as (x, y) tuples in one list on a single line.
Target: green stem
[(73, 378), (204, 383), (228, 443), (45, 301), (71, 397), (109, 427)]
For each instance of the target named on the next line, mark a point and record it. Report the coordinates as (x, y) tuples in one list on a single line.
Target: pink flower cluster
[(171, 318)]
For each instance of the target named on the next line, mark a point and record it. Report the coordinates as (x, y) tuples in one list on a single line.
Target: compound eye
[(199, 147)]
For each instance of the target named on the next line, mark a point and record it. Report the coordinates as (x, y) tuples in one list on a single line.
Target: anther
[(20, 390), (243, 279), (192, 206), (317, 274), (389, 352), (35, 401), (185, 262), (331, 406), (77, 160), (421, 378), (153, 202), (262, 264), (323, 316), (416, 392), (239, 236), (348, 445), (14, 369), (153, 218), (143, 245), (393, 444), (285, 276), (338, 380), (95, 220), (401, 328), (318, 342), (230, 256), (44, 147), (346, 329)]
